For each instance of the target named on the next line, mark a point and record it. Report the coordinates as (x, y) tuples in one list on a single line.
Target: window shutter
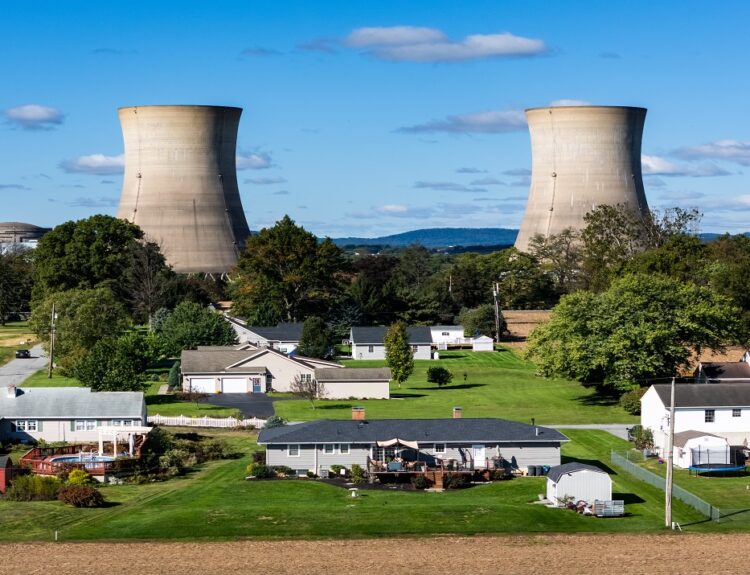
[(72, 425), (40, 425)]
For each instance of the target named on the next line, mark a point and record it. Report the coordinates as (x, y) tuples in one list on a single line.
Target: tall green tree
[(315, 340), (398, 354), (85, 254), (15, 283), (84, 316), (480, 320), (642, 327), (191, 325), (288, 267)]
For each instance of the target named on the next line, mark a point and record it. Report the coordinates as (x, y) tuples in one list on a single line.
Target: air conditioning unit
[(323, 473)]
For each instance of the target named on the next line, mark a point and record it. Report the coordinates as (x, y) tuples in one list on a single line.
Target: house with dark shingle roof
[(721, 409), (230, 370), (283, 337), (456, 443), (368, 342), (724, 371)]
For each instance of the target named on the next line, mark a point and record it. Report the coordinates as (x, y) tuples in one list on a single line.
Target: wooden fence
[(225, 422)]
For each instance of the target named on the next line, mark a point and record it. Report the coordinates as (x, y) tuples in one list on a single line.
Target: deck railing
[(47, 467), (220, 422)]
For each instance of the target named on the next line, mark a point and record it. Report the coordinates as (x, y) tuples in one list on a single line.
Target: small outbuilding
[(483, 343), (6, 472), (699, 449), (579, 481)]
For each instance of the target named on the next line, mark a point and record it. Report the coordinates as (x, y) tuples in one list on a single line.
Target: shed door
[(202, 384), (234, 385), (480, 456)]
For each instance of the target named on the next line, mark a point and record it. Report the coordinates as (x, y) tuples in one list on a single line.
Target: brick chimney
[(457, 413), (10, 391), (358, 413)]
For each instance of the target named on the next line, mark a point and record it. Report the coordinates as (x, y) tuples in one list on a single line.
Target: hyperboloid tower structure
[(180, 183), (581, 157)]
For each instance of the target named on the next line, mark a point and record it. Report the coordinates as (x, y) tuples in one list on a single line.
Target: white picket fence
[(225, 422)]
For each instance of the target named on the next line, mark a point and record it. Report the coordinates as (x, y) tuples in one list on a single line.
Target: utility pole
[(670, 453), (51, 342), (495, 292)]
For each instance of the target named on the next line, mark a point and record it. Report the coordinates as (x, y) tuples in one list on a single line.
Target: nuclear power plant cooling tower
[(581, 157), (180, 183)]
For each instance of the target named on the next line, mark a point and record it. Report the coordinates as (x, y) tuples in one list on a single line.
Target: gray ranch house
[(390, 446), (283, 337), (71, 414), (367, 342), (232, 370)]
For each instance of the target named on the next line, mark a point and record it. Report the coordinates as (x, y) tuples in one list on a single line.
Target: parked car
[(23, 354)]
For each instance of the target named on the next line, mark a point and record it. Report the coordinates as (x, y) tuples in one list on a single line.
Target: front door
[(256, 385), (480, 456)]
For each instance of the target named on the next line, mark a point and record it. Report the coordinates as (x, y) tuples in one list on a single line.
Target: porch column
[(101, 444), (114, 444), (130, 444)]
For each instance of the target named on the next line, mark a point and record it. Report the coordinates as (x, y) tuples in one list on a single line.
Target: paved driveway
[(17, 370), (617, 429), (251, 404)]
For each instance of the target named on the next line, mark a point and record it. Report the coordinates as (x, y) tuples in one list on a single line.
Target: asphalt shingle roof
[(420, 430), (69, 403), (353, 374), (290, 332), (418, 334), (556, 472), (682, 437), (727, 370), (706, 394), (215, 360)]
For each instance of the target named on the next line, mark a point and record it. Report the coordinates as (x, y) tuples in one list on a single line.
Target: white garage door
[(202, 385), (234, 385)]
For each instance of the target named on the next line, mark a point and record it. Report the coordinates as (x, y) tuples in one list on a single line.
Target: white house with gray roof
[(283, 337), (721, 409), (368, 342), (72, 414), (463, 443), (229, 370)]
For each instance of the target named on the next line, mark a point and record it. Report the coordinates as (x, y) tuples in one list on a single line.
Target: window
[(736, 413), (120, 423), (292, 450), (26, 425), (446, 333), (306, 377), (370, 348), (710, 415), (415, 348), (329, 448), (439, 448), (85, 424), (344, 448)]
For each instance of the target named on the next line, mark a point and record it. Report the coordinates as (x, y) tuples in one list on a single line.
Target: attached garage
[(202, 385), (234, 385)]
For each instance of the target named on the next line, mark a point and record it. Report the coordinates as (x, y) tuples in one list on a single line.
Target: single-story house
[(722, 409), (367, 342), (579, 481), (724, 371), (699, 448), (72, 414), (231, 370), (283, 337), (483, 343), (447, 443), (445, 335)]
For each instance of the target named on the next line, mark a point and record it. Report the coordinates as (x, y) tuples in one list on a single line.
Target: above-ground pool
[(88, 461)]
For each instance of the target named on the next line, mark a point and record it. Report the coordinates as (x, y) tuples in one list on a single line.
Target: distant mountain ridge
[(438, 238)]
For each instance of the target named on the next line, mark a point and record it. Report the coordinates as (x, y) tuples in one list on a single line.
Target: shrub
[(274, 421), (456, 481), (439, 375), (642, 437), (357, 473), (630, 401), (282, 470), (33, 488), (81, 496), (79, 477), (259, 457), (336, 470), (311, 474), (419, 482), (173, 379), (263, 471)]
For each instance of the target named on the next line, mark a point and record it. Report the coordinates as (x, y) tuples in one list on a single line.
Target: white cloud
[(265, 181), (412, 44), (447, 187), (253, 161), (490, 122), (728, 150), (97, 164), (487, 182), (14, 187), (567, 102), (94, 202), (658, 166), (518, 172), (34, 117), (470, 171)]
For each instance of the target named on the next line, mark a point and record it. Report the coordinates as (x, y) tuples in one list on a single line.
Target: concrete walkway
[(617, 429), (17, 370)]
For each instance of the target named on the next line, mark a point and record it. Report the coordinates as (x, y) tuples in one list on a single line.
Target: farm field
[(499, 384), (215, 502), (12, 334)]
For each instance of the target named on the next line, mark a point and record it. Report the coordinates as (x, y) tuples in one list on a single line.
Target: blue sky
[(369, 118)]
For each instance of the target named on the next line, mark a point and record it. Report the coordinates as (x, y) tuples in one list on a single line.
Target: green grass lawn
[(499, 384), (215, 502), (40, 379), (14, 335)]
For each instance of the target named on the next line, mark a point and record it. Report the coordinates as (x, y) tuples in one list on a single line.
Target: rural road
[(17, 370), (617, 429)]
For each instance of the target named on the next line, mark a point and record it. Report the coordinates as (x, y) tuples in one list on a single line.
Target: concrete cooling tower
[(180, 183), (581, 157)]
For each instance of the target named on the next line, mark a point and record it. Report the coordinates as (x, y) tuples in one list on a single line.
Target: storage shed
[(700, 449), (6, 470), (580, 481), (483, 343)]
